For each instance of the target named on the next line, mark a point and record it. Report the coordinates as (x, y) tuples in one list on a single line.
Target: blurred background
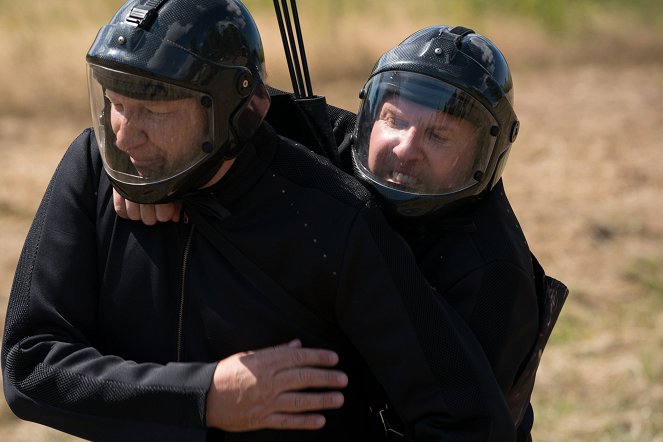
[(583, 176)]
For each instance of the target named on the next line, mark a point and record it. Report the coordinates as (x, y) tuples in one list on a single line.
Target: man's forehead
[(137, 87), (413, 110), (117, 96)]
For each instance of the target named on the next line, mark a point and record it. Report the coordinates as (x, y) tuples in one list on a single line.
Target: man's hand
[(149, 214), (263, 389)]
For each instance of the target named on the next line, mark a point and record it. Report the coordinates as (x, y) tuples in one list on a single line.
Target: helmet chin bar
[(405, 207), (169, 190)]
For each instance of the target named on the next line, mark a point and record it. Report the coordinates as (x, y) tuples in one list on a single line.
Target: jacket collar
[(248, 168)]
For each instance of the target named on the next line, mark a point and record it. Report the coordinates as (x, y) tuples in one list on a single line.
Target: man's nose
[(407, 148), (130, 132)]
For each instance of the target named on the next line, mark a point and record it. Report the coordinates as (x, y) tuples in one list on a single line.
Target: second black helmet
[(436, 122)]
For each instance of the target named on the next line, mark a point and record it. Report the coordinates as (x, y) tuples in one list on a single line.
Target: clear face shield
[(148, 131), (421, 136)]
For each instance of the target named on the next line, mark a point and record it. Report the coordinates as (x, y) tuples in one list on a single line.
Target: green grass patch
[(557, 16), (647, 273), (652, 363), (570, 326)]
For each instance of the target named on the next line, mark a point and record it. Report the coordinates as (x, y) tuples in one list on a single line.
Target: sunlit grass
[(648, 274), (343, 38)]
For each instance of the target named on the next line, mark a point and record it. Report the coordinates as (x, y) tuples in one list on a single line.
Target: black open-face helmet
[(157, 54), (438, 84)]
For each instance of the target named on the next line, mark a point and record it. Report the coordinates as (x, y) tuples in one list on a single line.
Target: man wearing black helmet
[(432, 137), (119, 331)]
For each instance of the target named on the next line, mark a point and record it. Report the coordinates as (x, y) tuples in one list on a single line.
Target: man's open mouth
[(404, 180)]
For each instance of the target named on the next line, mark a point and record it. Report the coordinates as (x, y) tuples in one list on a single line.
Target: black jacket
[(476, 257), (480, 261), (113, 328)]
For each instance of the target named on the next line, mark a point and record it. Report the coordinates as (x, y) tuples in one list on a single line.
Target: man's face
[(419, 148), (161, 138)]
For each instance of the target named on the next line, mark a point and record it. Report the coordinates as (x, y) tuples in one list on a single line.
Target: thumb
[(295, 343)]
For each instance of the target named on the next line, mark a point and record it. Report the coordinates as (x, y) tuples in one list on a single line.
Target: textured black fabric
[(303, 120), (52, 371), (487, 274), (480, 262), (114, 327)]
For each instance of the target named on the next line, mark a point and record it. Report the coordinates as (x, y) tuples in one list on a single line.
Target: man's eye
[(113, 104), (158, 111), (396, 123), (438, 137)]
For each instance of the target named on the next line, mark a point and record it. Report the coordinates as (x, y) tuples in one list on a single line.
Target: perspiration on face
[(161, 138), (422, 149)]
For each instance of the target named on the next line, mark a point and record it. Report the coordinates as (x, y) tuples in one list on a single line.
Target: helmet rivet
[(478, 175), (438, 51), (244, 83), (121, 40), (514, 130), (207, 147), (206, 101)]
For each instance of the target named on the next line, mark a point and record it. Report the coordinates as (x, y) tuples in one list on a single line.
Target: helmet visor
[(148, 131), (423, 136)]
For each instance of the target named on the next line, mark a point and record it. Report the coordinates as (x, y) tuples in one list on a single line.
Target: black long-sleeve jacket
[(479, 259), (476, 257), (114, 328)]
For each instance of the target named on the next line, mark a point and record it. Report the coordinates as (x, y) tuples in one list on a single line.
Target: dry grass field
[(583, 176)]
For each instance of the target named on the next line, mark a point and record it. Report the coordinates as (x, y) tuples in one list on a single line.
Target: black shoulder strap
[(301, 115), (311, 121)]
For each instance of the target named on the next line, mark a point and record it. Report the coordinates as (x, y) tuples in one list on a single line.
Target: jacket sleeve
[(421, 351), (53, 372), (503, 315)]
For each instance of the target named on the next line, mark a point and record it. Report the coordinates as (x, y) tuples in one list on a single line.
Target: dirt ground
[(583, 177)]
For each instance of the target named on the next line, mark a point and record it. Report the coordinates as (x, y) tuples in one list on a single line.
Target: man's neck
[(223, 169)]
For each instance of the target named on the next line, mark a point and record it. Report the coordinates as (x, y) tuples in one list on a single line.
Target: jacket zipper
[(180, 318)]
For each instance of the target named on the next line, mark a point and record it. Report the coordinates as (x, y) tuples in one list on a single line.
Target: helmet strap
[(461, 31), (143, 15)]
